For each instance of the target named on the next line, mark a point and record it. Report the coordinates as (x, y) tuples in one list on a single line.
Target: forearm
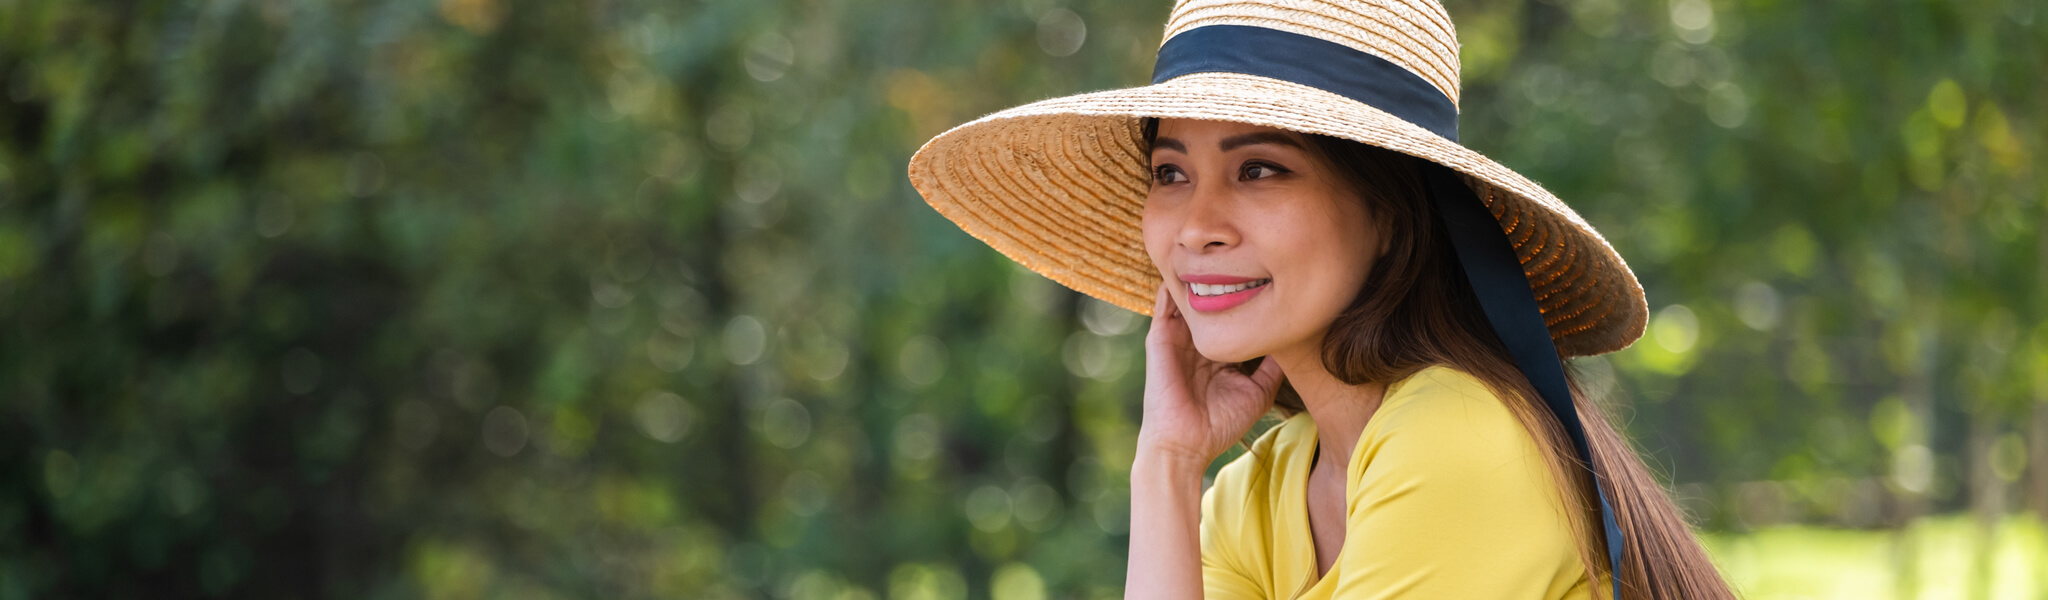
[(1166, 516)]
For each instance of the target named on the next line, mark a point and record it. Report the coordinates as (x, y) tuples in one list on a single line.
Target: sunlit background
[(619, 298)]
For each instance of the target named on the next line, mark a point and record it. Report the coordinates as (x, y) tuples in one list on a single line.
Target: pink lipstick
[(1217, 293)]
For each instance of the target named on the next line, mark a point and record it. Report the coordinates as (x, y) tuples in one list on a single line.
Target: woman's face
[(1260, 242)]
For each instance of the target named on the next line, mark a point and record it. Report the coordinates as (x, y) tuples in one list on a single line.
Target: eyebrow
[(1261, 137), (1234, 142)]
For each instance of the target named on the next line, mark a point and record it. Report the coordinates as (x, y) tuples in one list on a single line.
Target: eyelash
[(1277, 171), (1160, 173)]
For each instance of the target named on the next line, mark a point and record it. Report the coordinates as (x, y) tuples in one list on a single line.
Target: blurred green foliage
[(619, 298)]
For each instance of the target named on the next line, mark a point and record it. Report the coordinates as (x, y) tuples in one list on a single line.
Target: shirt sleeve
[(1223, 575), (1453, 500)]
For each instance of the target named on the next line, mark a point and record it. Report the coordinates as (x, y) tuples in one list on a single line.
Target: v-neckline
[(1315, 576), (1315, 570)]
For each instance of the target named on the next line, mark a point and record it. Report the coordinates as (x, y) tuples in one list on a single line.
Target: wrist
[(1171, 463)]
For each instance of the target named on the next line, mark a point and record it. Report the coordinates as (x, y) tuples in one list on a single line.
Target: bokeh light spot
[(921, 361), (916, 439), (1016, 581), (663, 416), (730, 128), (1095, 357), (1727, 105), (1107, 319), (365, 175), (504, 432), (668, 353), (933, 581), (183, 491), (785, 423), (1694, 20), (2008, 457), (988, 508), (806, 492), (1676, 328), (1757, 305), (1913, 468), (769, 56), (1061, 32), (274, 217), (1947, 103), (745, 340), (1037, 505)]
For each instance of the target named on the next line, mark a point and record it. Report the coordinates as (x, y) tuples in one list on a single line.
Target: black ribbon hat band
[(1313, 62), (1483, 249)]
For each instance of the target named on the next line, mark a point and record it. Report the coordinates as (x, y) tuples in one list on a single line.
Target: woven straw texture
[(1058, 185)]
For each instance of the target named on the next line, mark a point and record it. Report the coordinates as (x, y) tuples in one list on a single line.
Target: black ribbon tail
[(1510, 304)]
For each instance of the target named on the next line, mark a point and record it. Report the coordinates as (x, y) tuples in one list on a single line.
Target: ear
[(1383, 233), (1386, 238)]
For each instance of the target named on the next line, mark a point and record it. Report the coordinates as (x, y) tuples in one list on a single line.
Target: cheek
[(1331, 252), (1157, 236), (1150, 227), (1361, 251), (1156, 231)]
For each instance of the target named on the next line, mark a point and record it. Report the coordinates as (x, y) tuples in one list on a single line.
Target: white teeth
[(1203, 289)]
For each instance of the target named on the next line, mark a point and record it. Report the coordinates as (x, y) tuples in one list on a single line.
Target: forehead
[(1202, 129)]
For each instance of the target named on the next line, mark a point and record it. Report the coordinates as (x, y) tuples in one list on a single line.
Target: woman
[(1289, 202)]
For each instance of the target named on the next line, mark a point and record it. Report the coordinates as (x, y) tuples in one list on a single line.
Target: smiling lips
[(1217, 293)]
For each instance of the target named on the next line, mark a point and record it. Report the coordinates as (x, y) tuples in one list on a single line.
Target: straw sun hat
[(1058, 185)]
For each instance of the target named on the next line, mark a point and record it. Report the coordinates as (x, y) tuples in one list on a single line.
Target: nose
[(1207, 225)]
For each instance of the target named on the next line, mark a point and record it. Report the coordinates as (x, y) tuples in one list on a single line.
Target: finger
[(1168, 329), (1268, 376), (1162, 306), (1164, 340)]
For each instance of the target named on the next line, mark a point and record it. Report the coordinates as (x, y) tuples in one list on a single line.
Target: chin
[(1228, 344)]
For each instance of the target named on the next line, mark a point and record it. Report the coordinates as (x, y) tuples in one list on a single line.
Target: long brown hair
[(1416, 310)]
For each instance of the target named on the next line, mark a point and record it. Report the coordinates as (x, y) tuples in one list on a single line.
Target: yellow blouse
[(1446, 497)]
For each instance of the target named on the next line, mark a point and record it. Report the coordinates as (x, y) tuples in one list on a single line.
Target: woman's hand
[(1196, 408)]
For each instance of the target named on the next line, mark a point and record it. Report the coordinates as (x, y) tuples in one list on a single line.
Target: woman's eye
[(1168, 174), (1260, 171)]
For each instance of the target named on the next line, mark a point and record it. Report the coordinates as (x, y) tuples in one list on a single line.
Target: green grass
[(1936, 558)]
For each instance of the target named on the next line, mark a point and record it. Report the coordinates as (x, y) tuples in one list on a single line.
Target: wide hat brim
[(1059, 186)]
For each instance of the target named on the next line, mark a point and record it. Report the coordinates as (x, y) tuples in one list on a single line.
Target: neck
[(1340, 409)]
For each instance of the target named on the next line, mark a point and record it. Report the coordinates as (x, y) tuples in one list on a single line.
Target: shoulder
[(1449, 430), (1447, 468), (1446, 409), (1436, 385)]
